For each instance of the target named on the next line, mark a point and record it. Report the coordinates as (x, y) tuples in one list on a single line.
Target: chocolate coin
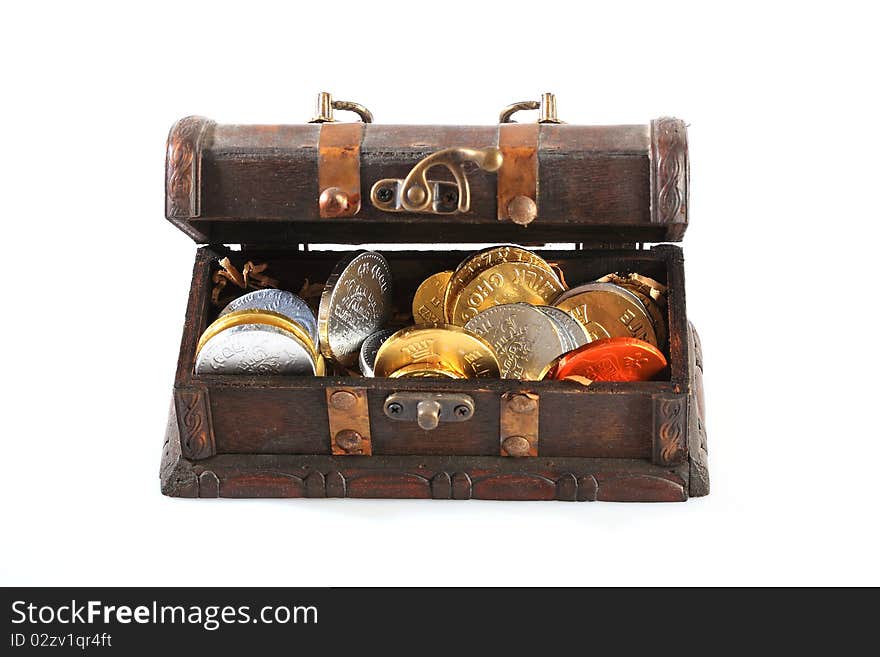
[(606, 310), (572, 333), (427, 305), (612, 359), (508, 282), (255, 349), (356, 302), (482, 260), (261, 317), (279, 301), (651, 293), (524, 339), (442, 346), (426, 371), (369, 348)]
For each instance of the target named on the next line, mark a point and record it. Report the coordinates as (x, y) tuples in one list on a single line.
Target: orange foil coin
[(612, 359)]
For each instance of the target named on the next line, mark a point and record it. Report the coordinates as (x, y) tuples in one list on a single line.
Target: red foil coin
[(612, 359)]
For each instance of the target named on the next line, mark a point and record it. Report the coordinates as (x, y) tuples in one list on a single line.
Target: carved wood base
[(437, 477)]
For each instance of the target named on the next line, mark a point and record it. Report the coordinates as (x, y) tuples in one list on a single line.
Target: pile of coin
[(276, 332), (521, 305), (503, 312), (263, 332)]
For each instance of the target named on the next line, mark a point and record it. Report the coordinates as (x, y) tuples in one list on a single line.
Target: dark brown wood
[(426, 477), (259, 184)]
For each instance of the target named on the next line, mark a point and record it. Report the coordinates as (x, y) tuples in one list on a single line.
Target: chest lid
[(329, 181)]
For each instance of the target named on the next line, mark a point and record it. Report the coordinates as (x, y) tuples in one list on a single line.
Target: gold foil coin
[(651, 293), (482, 260), (507, 282), (427, 305), (442, 347), (606, 310), (265, 317), (426, 371)]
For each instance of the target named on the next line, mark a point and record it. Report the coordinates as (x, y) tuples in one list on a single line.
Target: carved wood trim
[(670, 429), (377, 483), (669, 174), (182, 165), (194, 423)]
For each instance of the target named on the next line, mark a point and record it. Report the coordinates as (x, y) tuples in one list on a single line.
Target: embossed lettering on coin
[(607, 310), (442, 347), (508, 282), (525, 339), (482, 260), (255, 349), (356, 302), (612, 359), (427, 305)]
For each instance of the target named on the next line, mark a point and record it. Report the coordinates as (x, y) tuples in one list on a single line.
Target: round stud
[(349, 441), (343, 400), (333, 202), (522, 404), (516, 446), (522, 210)]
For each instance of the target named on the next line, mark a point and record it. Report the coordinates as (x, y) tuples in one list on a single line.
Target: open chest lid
[(328, 181)]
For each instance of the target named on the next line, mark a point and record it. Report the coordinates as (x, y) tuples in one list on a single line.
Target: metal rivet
[(522, 404), (349, 441), (516, 446), (522, 210), (343, 400), (333, 201), (416, 195)]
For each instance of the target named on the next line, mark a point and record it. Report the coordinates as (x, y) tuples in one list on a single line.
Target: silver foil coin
[(525, 340), (279, 301), (356, 303), (255, 349), (369, 349), (571, 331)]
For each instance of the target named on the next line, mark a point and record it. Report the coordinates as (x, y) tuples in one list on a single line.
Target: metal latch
[(416, 193), (428, 409)]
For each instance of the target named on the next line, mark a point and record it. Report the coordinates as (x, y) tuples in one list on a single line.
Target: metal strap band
[(518, 175), (339, 169), (349, 418), (519, 424)]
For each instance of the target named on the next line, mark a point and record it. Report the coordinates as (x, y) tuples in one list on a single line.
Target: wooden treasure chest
[(279, 206)]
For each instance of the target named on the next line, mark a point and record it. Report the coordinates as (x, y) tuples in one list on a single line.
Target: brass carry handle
[(547, 107), (326, 105), (416, 193)]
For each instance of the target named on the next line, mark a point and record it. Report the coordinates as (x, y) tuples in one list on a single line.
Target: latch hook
[(416, 193)]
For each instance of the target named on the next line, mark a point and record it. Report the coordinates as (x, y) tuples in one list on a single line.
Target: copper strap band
[(519, 424), (518, 175), (349, 420), (339, 169)]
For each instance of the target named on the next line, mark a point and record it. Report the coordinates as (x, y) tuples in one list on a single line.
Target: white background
[(781, 265)]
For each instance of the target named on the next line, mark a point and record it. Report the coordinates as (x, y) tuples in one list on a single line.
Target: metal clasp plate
[(416, 193), (428, 409)]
